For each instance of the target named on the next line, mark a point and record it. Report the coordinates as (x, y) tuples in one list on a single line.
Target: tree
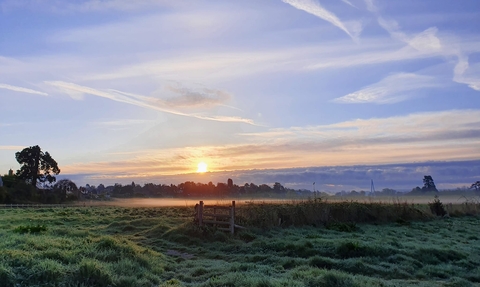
[(36, 166), (428, 184), (476, 185), (63, 186), (278, 188)]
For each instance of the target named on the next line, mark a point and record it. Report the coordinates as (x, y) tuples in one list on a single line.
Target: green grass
[(114, 246)]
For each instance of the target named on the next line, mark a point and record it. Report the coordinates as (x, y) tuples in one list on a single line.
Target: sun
[(202, 167)]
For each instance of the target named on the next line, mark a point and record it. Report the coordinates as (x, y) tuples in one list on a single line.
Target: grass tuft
[(92, 272), (30, 228)]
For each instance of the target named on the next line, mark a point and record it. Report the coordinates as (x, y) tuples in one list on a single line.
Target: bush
[(437, 207)]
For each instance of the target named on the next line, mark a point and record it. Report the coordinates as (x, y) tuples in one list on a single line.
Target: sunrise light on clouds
[(147, 92)]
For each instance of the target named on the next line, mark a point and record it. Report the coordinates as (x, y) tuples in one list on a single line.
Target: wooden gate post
[(232, 218), (200, 214)]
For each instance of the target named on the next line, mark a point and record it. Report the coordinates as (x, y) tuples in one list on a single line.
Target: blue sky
[(120, 90)]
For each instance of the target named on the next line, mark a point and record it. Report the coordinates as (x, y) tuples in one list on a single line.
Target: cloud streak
[(11, 147), (137, 100), (85, 6), (465, 73), (314, 8), (428, 42), (181, 96), (21, 90), (392, 89)]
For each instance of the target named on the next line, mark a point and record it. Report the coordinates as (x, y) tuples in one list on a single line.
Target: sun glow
[(202, 167)]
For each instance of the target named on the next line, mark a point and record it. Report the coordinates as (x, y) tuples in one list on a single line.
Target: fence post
[(200, 214), (232, 218)]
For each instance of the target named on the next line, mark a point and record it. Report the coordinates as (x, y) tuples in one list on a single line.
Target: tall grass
[(318, 212)]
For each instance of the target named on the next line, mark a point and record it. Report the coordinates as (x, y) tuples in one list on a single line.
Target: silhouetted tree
[(221, 189), (36, 166), (264, 188), (101, 188), (278, 188), (63, 186), (428, 184), (476, 185)]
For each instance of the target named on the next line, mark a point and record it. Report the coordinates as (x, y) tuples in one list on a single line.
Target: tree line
[(190, 189), (35, 181)]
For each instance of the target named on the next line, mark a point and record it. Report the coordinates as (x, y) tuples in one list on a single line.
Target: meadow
[(307, 243)]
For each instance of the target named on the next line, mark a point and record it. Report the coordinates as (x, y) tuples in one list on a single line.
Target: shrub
[(437, 207)]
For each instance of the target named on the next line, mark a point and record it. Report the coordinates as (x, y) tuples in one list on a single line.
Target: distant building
[(1, 182), (10, 172)]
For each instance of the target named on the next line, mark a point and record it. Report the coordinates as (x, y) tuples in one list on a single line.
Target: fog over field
[(165, 202)]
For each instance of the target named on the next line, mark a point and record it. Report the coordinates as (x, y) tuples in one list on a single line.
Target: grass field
[(119, 246)]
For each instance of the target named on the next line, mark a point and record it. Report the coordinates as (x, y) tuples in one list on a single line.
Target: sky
[(337, 92)]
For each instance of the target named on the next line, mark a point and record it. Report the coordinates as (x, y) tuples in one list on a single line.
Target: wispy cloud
[(180, 96), (371, 6), (349, 3), (11, 147), (314, 8), (416, 127), (467, 74), (85, 6), (392, 89), (372, 57), (426, 41), (122, 123), (138, 100), (21, 89)]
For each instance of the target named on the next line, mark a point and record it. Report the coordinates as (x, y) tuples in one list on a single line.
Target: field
[(160, 246)]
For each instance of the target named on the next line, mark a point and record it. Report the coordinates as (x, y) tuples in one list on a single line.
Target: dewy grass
[(30, 228), (112, 246)]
